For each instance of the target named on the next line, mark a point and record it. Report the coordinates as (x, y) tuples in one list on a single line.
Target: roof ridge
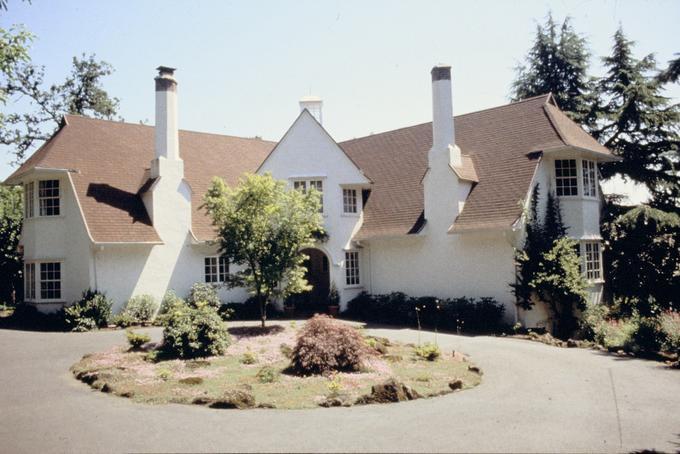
[(153, 126), (510, 104)]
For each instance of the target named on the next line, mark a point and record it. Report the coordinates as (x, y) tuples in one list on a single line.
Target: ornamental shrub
[(203, 293), (324, 345), (136, 340), (138, 310), (670, 326), (92, 311), (428, 351), (170, 300), (194, 331)]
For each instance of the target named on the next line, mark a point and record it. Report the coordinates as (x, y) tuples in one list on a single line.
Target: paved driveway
[(532, 398)]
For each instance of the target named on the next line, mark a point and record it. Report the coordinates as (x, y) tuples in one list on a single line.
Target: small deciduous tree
[(262, 228)]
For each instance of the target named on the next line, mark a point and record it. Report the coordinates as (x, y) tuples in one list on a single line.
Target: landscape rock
[(234, 399), (389, 391), (456, 384), (266, 405), (571, 343), (475, 369)]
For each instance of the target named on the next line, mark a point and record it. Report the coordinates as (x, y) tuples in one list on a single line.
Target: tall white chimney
[(443, 130), (313, 104), (167, 139)]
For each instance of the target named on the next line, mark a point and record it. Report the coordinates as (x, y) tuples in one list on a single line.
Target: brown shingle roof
[(111, 160), (498, 140)]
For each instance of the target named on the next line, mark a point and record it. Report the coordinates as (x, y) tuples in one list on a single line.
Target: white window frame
[(575, 178), (219, 269), (352, 269), (350, 201), (51, 197), (35, 283), (304, 183), (591, 259), (589, 178), (29, 200)]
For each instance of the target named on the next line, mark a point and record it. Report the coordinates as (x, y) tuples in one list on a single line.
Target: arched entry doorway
[(318, 276)]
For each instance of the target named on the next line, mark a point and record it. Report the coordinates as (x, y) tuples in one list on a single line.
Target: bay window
[(29, 196), (42, 281), (48, 197)]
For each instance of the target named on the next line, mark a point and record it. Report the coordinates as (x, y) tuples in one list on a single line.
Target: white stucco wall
[(445, 266), (307, 152)]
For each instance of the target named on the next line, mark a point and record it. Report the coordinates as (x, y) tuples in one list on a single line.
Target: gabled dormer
[(308, 157)]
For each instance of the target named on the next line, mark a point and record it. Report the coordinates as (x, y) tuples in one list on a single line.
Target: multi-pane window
[(216, 269), (349, 200), (48, 195), (302, 185), (29, 196), (50, 281), (29, 281), (589, 170), (352, 268), (566, 180), (593, 260)]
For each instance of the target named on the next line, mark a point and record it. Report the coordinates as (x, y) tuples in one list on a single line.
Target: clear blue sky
[(242, 66)]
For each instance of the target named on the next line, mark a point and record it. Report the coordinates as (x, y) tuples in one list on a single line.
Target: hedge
[(483, 315)]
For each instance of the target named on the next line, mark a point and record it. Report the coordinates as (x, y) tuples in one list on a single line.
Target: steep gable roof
[(110, 168), (109, 164), (500, 142)]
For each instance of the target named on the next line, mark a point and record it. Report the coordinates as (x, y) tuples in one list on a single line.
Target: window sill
[(593, 282), (59, 216), (349, 215), (57, 301), (353, 287)]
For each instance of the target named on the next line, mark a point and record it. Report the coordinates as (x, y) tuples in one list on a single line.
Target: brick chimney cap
[(441, 72)]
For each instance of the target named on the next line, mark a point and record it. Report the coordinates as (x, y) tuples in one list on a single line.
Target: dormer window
[(566, 177), (349, 201), (48, 197)]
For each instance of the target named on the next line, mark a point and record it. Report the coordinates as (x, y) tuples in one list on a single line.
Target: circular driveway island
[(533, 398)]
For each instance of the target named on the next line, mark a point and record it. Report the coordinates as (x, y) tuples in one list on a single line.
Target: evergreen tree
[(639, 125), (557, 63), (672, 73)]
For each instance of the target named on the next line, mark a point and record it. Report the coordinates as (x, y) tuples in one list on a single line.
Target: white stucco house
[(432, 209)]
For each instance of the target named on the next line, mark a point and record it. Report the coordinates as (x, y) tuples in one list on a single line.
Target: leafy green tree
[(639, 124), (262, 228), (11, 263), (81, 93), (560, 284), (557, 63), (642, 257)]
